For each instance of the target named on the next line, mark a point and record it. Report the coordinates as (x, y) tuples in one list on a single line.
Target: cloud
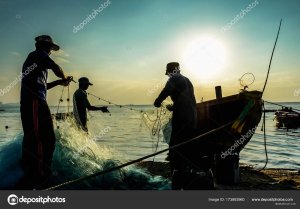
[(60, 53), (16, 54), (61, 57), (61, 60)]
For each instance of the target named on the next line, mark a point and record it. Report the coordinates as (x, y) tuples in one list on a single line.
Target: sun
[(204, 58)]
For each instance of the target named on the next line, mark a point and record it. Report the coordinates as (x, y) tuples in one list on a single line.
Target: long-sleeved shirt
[(181, 91)]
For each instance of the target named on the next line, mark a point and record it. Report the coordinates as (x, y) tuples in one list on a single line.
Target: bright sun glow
[(204, 58)]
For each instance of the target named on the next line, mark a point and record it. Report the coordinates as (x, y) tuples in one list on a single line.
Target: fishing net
[(159, 123), (77, 155)]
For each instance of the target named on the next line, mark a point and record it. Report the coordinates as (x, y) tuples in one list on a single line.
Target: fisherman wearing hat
[(39, 139), (184, 122), (81, 104)]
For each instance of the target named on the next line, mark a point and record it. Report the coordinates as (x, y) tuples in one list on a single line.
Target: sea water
[(124, 135)]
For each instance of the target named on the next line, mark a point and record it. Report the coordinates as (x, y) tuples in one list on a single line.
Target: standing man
[(39, 139), (184, 122), (81, 104)]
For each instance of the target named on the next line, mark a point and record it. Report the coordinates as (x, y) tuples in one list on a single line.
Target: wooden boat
[(287, 118), (222, 148), (243, 109)]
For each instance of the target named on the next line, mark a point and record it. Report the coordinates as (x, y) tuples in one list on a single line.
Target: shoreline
[(250, 178)]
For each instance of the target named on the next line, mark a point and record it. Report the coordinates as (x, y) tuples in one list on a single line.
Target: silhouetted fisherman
[(81, 104), (39, 138), (184, 123)]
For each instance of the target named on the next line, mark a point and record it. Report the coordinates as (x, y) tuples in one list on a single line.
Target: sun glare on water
[(204, 58)]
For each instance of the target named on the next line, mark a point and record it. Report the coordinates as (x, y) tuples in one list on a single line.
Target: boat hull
[(215, 113)]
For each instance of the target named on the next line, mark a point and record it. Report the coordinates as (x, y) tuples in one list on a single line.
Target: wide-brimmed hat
[(47, 39), (84, 80)]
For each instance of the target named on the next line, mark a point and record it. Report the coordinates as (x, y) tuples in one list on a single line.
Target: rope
[(271, 59), (137, 160), (244, 85), (281, 105), (265, 137), (109, 102), (68, 99), (60, 99), (263, 90)]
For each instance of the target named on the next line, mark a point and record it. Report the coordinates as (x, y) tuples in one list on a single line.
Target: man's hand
[(63, 82), (169, 107), (104, 109), (157, 103), (66, 81)]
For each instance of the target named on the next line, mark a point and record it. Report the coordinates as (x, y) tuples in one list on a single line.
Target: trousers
[(39, 140)]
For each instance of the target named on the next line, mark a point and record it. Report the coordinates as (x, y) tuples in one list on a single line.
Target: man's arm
[(167, 91), (54, 83), (94, 108), (63, 82), (58, 71), (50, 64)]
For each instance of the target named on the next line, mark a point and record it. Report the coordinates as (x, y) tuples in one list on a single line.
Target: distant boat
[(287, 118)]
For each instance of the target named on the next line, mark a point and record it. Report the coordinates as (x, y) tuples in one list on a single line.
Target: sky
[(124, 49)]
